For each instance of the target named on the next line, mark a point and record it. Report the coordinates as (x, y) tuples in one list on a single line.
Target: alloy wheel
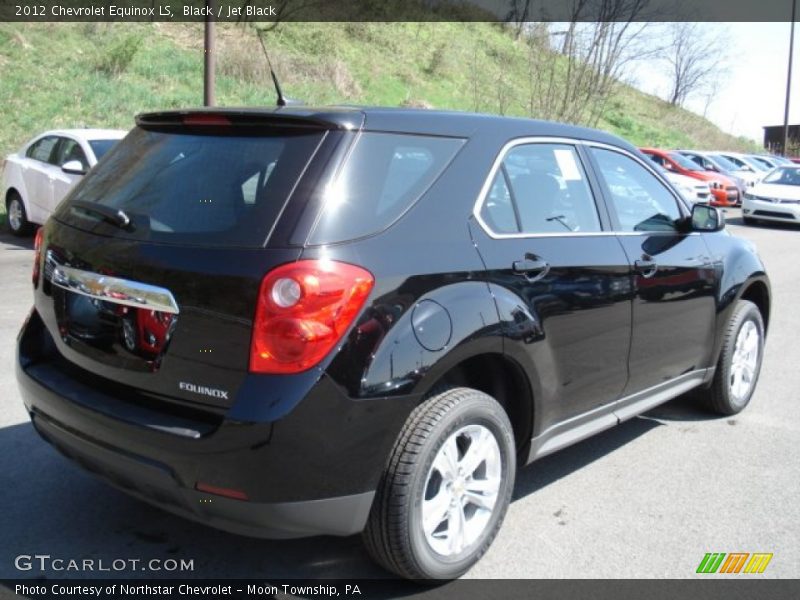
[(744, 362), (461, 490), (15, 215)]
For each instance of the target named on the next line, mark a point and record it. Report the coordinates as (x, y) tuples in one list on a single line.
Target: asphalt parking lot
[(644, 500)]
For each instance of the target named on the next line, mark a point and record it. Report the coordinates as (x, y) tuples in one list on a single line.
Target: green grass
[(65, 75)]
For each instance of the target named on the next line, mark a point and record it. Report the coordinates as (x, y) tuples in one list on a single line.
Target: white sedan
[(37, 178), (774, 198)]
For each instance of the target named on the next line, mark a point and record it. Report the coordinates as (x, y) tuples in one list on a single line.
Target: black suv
[(343, 320)]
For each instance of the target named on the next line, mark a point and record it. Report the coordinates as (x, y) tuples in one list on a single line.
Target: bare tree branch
[(693, 57)]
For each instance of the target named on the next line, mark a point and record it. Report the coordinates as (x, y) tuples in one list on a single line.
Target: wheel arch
[(757, 291), (502, 378), (12, 190)]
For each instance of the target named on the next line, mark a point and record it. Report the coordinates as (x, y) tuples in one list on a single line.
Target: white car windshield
[(784, 176)]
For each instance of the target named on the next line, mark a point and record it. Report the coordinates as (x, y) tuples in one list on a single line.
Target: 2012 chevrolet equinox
[(347, 319)]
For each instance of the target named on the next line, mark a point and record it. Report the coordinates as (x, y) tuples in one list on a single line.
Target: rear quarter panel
[(431, 307)]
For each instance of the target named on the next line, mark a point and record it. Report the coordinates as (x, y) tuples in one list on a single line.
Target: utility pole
[(789, 83), (209, 58)]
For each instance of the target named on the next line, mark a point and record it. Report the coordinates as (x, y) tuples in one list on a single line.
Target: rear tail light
[(37, 255), (304, 309)]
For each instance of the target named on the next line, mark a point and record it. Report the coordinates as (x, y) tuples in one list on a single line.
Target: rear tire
[(16, 216), (739, 362), (446, 487)]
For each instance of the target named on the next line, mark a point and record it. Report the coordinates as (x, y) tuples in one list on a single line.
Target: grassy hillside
[(98, 74)]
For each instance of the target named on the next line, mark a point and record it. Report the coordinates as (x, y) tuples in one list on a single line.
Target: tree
[(695, 60), (600, 39)]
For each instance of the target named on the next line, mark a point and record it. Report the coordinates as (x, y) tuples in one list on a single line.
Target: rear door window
[(540, 188), (43, 149), (194, 187), (384, 175)]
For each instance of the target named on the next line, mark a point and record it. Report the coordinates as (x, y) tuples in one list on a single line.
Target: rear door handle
[(533, 268), (646, 267)]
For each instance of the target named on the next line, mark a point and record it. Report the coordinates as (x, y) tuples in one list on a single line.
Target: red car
[(723, 190)]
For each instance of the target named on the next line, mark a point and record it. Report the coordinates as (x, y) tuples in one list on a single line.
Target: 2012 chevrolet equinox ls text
[(341, 320)]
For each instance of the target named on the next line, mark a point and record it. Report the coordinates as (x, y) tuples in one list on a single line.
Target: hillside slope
[(97, 74)]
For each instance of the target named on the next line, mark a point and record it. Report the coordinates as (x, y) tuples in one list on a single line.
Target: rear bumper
[(311, 472), (157, 484)]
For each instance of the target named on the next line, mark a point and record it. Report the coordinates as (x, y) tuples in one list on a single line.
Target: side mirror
[(73, 167), (707, 218)]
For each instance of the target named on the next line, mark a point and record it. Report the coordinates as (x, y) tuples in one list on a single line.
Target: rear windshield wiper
[(114, 215)]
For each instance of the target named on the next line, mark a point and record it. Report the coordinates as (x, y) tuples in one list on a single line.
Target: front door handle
[(646, 267), (532, 267)]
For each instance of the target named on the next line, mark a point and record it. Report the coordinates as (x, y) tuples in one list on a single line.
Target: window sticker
[(566, 162)]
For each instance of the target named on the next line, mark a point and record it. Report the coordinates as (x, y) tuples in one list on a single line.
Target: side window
[(540, 188), (640, 200), (69, 150), (385, 174), (498, 212), (43, 149)]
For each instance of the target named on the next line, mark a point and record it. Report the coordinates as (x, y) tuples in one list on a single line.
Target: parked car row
[(720, 178)]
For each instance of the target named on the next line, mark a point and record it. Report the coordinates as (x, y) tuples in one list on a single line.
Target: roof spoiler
[(237, 118)]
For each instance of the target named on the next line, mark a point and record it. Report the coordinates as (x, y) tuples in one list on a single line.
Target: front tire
[(16, 216), (740, 360), (446, 488)]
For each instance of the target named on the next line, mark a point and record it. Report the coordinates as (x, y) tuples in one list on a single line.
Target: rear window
[(195, 187), (380, 180)]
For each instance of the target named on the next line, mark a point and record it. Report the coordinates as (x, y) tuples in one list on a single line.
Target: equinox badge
[(201, 389)]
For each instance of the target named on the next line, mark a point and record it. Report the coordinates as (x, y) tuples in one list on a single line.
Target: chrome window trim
[(114, 289), (487, 184), (523, 141)]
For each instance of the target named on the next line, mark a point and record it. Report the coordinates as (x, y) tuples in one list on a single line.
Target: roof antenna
[(282, 100)]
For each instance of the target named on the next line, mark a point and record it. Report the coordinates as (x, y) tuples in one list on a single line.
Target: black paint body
[(590, 332)]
